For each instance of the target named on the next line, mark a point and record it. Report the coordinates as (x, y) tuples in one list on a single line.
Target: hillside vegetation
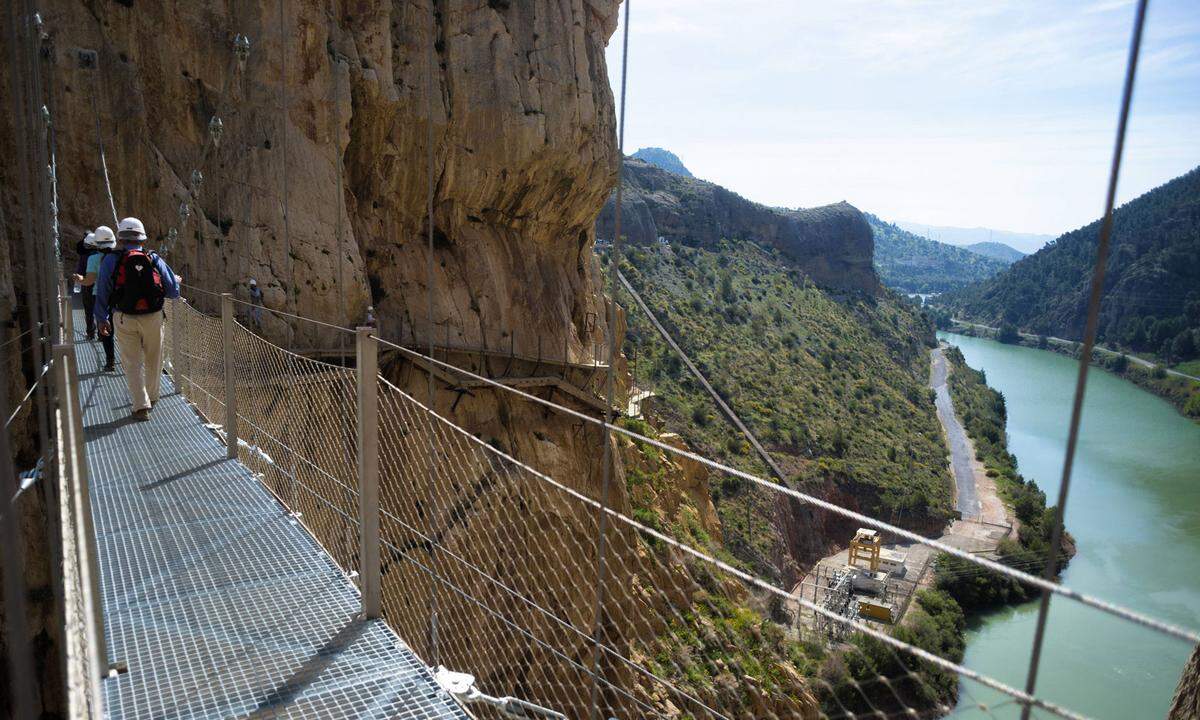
[(1152, 285), (914, 264), (835, 390)]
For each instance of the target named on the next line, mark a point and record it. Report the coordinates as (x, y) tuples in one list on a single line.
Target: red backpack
[(138, 288)]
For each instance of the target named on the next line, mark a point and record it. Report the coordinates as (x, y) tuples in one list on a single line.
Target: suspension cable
[(759, 583), (429, 192), (1175, 631), (112, 205), (728, 411), (289, 298), (339, 169), (1085, 355), (606, 469)]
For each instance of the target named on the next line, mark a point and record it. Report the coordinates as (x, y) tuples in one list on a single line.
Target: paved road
[(956, 437), (1099, 348)]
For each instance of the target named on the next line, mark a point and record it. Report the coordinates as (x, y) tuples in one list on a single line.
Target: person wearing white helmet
[(85, 249), (102, 242), (132, 286)]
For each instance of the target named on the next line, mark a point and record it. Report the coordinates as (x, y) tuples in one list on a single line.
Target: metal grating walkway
[(220, 604)]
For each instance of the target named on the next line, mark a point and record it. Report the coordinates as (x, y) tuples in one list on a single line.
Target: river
[(1134, 510)]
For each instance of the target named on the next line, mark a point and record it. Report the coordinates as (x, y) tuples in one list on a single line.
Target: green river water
[(1134, 510)]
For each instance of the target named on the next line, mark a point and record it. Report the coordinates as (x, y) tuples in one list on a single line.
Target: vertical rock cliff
[(514, 95)]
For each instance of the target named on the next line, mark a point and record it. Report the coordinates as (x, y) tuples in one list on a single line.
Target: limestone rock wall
[(523, 154)]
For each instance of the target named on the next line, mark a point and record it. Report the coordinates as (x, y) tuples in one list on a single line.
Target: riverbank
[(1135, 494), (984, 415), (1178, 388)]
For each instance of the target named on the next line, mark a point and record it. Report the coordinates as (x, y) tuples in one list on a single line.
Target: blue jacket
[(105, 279)]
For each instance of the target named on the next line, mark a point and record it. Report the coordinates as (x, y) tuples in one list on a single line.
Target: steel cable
[(1089, 335)]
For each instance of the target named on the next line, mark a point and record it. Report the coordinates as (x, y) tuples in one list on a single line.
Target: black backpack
[(138, 287)]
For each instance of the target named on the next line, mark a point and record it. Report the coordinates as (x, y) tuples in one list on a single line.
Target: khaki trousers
[(140, 338)]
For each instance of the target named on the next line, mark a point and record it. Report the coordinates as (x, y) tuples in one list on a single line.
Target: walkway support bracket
[(368, 472), (68, 317), (231, 416)]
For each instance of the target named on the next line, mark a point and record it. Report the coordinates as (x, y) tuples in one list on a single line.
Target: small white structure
[(893, 562), (866, 581)]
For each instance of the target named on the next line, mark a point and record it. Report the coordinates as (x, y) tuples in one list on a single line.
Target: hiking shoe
[(142, 415), (91, 335), (109, 367)]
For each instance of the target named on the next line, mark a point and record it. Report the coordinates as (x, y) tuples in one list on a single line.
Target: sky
[(988, 113)]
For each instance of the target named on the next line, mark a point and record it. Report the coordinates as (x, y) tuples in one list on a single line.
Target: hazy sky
[(950, 112)]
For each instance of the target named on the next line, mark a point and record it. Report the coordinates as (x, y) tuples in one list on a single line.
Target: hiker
[(256, 305), (101, 242), (132, 286), (370, 321), (82, 251), (87, 249)]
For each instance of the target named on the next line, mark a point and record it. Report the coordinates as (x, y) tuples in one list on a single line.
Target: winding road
[(961, 450)]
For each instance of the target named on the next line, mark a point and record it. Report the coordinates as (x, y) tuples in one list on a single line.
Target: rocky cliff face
[(832, 244), (522, 130)]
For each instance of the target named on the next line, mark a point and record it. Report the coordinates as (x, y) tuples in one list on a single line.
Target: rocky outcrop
[(833, 244), (1186, 703), (664, 159)]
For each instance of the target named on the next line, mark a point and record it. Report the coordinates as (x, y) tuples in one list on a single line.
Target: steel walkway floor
[(221, 604)]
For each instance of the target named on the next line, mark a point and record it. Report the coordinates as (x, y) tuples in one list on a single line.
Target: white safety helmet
[(131, 229), (253, 282), (104, 238), (89, 240)]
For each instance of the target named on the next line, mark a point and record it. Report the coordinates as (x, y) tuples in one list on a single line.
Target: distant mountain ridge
[(1006, 254), (1025, 242), (664, 159), (910, 263), (1151, 287), (831, 244)]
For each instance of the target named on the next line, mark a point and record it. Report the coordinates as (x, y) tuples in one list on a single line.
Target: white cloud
[(966, 113)]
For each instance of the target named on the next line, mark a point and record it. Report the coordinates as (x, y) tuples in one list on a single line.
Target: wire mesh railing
[(296, 420), (491, 556)]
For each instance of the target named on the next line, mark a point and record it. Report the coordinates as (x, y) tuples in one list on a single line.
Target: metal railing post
[(176, 346), (231, 417), (71, 414), (68, 317), (368, 472)]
